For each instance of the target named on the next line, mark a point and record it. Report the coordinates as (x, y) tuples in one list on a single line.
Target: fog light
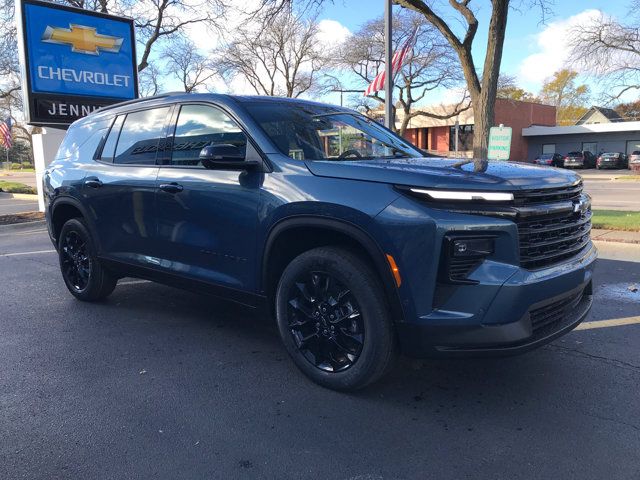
[(462, 255), (472, 247)]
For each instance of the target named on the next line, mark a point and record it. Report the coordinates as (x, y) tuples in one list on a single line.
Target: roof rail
[(138, 100)]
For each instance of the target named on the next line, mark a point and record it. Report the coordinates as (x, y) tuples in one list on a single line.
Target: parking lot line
[(36, 252), (614, 322)]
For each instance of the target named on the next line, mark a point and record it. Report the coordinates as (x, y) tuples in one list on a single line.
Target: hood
[(440, 173)]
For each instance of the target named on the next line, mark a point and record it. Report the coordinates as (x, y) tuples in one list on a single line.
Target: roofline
[(613, 127)]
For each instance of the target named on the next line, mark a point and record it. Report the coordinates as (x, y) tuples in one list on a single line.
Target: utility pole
[(388, 74)]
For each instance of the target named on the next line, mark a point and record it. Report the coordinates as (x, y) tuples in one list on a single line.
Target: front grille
[(554, 312), (545, 241), (545, 195), (549, 229)]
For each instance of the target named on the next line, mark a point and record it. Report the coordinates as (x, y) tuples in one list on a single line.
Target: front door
[(119, 187), (207, 219)]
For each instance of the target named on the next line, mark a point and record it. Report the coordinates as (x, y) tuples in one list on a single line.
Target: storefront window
[(465, 138)]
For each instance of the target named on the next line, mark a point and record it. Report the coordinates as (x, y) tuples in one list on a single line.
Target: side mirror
[(224, 156)]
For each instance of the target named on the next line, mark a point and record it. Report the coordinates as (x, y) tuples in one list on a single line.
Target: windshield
[(546, 156), (317, 132), (610, 155)]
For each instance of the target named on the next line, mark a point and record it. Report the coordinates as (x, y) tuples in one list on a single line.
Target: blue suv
[(359, 244)]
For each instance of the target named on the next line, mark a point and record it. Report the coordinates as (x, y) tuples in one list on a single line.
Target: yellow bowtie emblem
[(82, 39)]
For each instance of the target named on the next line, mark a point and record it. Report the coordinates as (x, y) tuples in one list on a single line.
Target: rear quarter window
[(82, 141)]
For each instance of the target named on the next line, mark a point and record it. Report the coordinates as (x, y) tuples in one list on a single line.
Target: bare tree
[(610, 50), (482, 88), (149, 81), (281, 56), (190, 67), (430, 65)]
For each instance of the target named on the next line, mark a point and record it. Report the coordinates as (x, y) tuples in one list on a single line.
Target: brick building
[(438, 136)]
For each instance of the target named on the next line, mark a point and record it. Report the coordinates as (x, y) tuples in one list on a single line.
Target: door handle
[(171, 187), (93, 182)]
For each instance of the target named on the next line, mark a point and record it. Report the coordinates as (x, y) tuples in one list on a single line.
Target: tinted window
[(82, 140), (139, 137), (307, 131), (110, 145), (575, 154), (199, 126)]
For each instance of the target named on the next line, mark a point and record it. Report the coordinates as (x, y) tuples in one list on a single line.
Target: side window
[(109, 147), (139, 137), (81, 141), (199, 126)]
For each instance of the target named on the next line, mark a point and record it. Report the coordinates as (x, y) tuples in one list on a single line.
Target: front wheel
[(333, 319), (82, 272)]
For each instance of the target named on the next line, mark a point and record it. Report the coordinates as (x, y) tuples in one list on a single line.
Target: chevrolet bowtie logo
[(82, 39)]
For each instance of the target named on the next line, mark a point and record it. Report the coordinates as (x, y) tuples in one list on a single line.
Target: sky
[(533, 51)]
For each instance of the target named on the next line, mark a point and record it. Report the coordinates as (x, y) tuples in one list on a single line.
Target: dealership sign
[(73, 61), (499, 143)]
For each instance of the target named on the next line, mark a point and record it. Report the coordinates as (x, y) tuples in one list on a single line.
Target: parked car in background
[(551, 159), (634, 158), (612, 160), (584, 159)]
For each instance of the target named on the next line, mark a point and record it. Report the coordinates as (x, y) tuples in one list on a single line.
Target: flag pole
[(388, 76)]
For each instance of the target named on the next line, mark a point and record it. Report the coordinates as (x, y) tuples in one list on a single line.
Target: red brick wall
[(439, 139), (417, 136), (519, 115), (510, 113)]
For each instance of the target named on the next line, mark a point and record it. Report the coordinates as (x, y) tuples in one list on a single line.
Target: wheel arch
[(311, 232), (64, 209)]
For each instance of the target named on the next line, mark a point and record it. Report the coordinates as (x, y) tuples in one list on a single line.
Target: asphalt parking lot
[(160, 383)]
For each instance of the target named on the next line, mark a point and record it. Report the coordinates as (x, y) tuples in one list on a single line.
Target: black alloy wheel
[(334, 320), (83, 274), (325, 321), (75, 262)]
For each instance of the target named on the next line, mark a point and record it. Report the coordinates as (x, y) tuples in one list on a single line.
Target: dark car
[(357, 244), (584, 159), (550, 159), (612, 160)]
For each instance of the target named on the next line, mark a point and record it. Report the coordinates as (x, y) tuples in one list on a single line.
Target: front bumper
[(530, 309)]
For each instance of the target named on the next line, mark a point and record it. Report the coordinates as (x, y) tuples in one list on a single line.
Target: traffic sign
[(499, 143)]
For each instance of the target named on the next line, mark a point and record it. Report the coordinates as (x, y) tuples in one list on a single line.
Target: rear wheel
[(83, 274), (333, 319)]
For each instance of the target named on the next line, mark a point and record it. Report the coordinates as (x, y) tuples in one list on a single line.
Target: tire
[(346, 354), (84, 276)]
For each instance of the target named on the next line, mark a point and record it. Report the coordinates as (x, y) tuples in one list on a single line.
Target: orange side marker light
[(394, 270)]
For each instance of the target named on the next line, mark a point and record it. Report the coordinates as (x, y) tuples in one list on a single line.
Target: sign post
[(73, 61), (499, 143)]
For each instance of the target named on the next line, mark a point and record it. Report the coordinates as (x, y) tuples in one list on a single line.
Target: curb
[(19, 196), (619, 236), (14, 227)]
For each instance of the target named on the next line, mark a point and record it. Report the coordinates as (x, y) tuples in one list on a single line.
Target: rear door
[(207, 219), (120, 185)]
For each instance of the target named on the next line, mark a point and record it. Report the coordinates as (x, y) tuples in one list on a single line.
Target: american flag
[(396, 64), (5, 133)]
